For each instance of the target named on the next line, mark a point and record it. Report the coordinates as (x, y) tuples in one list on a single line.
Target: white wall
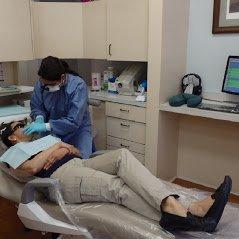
[(207, 53), (27, 72), (208, 149)]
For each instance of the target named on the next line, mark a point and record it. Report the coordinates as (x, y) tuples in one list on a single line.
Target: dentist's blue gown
[(67, 111)]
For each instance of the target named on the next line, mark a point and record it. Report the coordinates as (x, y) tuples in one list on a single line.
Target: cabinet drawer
[(140, 157), (122, 143), (129, 112), (125, 129)]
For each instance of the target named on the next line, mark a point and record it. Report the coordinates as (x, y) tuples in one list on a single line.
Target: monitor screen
[(231, 78)]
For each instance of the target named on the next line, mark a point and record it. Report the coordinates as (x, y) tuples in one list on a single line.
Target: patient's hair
[(52, 68), (6, 131)]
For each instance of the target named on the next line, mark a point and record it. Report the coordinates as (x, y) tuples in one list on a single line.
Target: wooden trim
[(188, 184), (216, 16)]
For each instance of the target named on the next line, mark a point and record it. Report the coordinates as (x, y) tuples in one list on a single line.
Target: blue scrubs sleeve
[(36, 103), (77, 107)]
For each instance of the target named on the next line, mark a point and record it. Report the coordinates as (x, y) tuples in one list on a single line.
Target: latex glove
[(39, 119), (35, 127)]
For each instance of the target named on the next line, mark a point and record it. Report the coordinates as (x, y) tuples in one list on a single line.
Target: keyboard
[(219, 108)]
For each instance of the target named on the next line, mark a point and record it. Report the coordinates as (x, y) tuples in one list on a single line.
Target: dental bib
[(21, 152)]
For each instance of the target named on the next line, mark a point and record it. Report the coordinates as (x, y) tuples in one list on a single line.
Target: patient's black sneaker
[(221, 197), (173, 223), (227, 181)]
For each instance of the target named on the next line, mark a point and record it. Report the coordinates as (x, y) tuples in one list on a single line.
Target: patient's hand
[(56, 156), (71, 149), (63, 150)]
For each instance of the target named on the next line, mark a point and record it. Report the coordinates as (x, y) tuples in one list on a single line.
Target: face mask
[(53, 88)]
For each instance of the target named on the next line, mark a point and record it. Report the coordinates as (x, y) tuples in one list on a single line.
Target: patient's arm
[(55, 156), (20, 173), (35, 165)]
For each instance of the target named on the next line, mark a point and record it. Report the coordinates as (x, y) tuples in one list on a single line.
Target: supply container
[(107, 74), (96, 81)]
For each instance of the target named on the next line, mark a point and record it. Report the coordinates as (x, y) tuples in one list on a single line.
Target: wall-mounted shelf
[(184, 110)]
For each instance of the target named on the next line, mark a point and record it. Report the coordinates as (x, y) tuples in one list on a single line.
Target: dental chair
[(89, 220), (42, 208)]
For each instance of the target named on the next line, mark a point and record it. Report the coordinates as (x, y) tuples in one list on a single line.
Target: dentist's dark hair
[(52, 68)]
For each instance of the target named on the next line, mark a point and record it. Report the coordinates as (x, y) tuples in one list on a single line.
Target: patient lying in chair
[(116, 177)]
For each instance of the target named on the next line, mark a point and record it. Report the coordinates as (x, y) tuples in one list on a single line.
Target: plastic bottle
[(108, 74), (96, 81)]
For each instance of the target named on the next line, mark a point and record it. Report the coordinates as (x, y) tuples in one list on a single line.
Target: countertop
[(23, 90), (116, 98), (216, 115)]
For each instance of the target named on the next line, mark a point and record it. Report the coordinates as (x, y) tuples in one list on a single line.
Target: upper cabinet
[(128, 30), (15, 30), (57, 29), (103, 29), (95, 29)]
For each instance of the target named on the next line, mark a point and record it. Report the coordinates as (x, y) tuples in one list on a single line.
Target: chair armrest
[(100, 152), (28, 194)]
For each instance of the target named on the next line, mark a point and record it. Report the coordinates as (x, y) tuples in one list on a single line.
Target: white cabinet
[(129, 112), (57, 29), (125, 128), (113, 30), (116, 30), (128, 30), (95, 29), (15, 30)]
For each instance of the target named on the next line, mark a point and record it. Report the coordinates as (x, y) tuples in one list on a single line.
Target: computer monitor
[(231, 78)]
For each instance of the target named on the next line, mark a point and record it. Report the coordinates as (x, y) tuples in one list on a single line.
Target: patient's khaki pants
[(116, 177)]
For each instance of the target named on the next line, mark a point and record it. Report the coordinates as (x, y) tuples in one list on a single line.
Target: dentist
[(59, 106)]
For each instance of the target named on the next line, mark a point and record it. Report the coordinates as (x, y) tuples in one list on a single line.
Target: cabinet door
[(95, 29), (58, 29), (128, 30), (15, 30)]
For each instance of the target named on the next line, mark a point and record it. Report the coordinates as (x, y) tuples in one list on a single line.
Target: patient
[(118, 177)]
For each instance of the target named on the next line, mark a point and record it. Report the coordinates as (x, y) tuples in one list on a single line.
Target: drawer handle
[(125, 125), (124, 146), (125, 111)]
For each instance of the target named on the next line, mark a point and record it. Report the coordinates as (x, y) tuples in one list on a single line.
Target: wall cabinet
[(57, 29), (116, 30), (113, 30), (95, 29), (128, 30), (15, 30)]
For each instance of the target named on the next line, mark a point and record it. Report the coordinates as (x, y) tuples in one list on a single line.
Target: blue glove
[(35, 127), (39, 119)]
